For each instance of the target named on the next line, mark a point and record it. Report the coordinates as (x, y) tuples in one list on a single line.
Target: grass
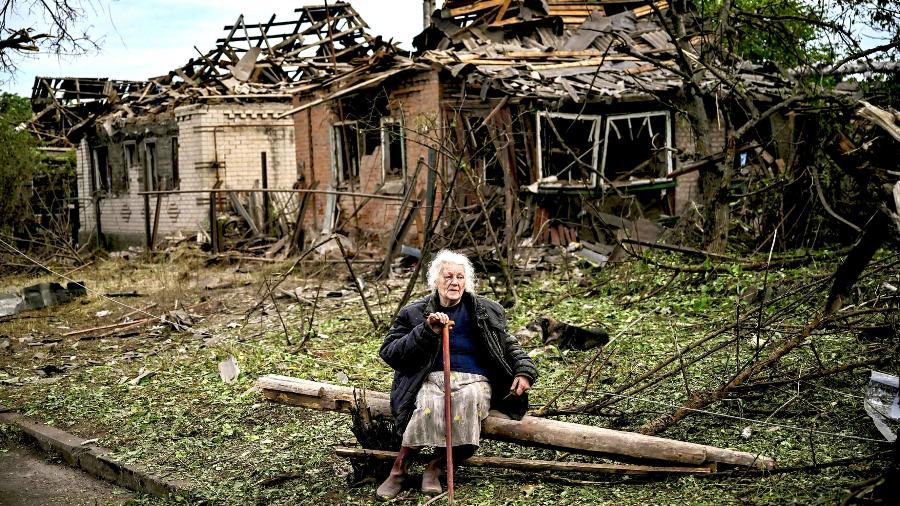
[(184, 422)]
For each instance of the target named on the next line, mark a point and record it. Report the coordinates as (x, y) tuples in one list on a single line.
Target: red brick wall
[(415, 101)]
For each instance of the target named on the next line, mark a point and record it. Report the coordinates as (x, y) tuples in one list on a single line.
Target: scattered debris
[(142, 374), (883, 402), (229, 370), (10, 304), (566, 336), (39, 296)]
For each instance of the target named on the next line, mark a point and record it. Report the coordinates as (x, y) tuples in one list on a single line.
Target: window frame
[(150, 171), (593, 118), (646, 114), (386, 151), (98, 173), (337, 158)]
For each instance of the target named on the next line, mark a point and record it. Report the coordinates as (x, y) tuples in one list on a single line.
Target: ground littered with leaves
[(154, 395)]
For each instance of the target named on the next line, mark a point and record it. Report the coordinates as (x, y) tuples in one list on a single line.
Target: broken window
[(130, 155), (150, 181), (483, 152), (118, 177), (568, 146), (176, 180), (345, 143), (371, 140), (100, 161), (393, 149), (637, 147)]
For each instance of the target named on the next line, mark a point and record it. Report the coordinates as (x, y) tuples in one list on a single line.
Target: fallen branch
[(106, 327)]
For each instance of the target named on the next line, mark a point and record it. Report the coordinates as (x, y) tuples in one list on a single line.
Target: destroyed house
[(148, 155), (539, 112)]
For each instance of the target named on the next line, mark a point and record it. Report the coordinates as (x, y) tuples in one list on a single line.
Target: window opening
[(130, 155), (637, 147), (176, 180), (483, 152), (151, 183), (568, 146), (393, 149), (345, 155), (101, 169)]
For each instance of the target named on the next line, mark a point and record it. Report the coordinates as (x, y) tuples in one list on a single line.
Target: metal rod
[(448, 404), (272, 190)]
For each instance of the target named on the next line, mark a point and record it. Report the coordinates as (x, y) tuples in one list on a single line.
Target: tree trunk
[(530, 430)]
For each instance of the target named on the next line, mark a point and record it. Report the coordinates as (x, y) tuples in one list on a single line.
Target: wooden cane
[(448, 415)]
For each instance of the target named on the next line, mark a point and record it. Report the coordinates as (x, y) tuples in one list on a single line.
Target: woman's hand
[(437, 321), (520, 385)]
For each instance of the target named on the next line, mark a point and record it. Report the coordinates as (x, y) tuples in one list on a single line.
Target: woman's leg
[(394, 482), (431, 482)]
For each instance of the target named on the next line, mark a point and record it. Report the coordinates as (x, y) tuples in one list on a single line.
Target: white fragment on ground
[(142, 373), (103, 314), (229, 370), (747, 432)]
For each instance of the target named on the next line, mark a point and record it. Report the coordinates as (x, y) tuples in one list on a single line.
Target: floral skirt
[(470, 396)]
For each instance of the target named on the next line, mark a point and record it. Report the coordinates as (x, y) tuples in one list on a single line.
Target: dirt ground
[(29, 478)]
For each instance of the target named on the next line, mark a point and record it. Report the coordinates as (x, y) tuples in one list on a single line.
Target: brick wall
[(688, 188), (228, 136), (414, 101)]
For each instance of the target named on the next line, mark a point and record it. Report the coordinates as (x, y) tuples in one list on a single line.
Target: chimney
[(427, 9)]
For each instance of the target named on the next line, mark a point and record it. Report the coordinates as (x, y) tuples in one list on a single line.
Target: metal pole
[(448, 405)]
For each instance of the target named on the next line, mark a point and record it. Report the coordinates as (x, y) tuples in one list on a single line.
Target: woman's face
[(451, 284)]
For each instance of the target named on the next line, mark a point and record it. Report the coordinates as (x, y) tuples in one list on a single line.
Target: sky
[(141, 39)]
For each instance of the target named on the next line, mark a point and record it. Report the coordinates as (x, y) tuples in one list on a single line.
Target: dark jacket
[(411, 348)]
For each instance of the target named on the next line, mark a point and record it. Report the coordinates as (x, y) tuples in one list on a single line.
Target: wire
[(741, 418)]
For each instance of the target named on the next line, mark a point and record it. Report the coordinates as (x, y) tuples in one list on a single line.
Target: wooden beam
[(535, 465), (530, 430)]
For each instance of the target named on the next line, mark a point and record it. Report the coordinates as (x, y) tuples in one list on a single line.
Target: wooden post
[(213, 224), (98, 223), (429, 208), (148, 238), (265, 185), (155, 223)]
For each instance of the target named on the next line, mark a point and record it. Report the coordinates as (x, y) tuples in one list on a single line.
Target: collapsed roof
[(545, 49), (562, 49), (267, 60)]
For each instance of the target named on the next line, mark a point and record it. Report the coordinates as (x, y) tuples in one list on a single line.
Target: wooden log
[(530, 430), (536, 465)]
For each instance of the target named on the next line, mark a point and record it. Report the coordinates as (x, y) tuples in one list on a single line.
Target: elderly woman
[(489, 370)]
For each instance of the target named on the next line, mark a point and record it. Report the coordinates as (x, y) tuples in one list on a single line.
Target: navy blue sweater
[(467, 352)]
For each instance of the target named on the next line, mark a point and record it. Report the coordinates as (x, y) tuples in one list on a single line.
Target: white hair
[(446, 256)]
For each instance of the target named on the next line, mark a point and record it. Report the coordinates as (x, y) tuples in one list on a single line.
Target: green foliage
[(17, 160), (778, 31)]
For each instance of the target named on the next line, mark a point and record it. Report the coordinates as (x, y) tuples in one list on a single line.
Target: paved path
[(28, 478)]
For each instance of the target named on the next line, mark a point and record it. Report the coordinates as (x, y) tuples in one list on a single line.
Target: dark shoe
[(431, 481), (391, 487)]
